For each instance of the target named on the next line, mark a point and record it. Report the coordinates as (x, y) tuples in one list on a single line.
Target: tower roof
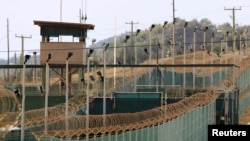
[(54, 29), (63, 24)]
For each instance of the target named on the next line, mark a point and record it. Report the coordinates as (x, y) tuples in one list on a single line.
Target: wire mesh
[(186, 119)]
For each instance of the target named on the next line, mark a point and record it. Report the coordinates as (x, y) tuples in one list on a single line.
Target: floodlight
[(126, 38), (41, 89), (146, 51), (186, 23), (99, 73), (174, 20), (195, 29), (70, 54), (49, 57), (212, 35), (17, 92), (137, 32), (165, 23), (218, 54), (101, 78), (90, 52), (82, 80), (119, 62), (27, 57), (93, 40), (223, 50), (62, 84), (106, 46), (159, 45), (152, 26), (92, 77), (206, 28)]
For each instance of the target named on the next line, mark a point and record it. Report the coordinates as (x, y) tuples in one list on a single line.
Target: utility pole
[(34, 70), (15, 71), (8, 46), (173, 46), (115, 52), (234, 32), (173, 10), (23, 63), (132, 35), (234, 38), (22, 42), (60, 37), (135, 51), (60, 10)]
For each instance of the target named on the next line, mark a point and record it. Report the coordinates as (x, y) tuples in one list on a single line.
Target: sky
[(110, 17)]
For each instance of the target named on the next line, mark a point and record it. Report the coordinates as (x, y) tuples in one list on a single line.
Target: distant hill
[(141, 41)]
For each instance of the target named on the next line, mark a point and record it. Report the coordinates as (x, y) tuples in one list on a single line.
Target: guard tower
[(60, 48)]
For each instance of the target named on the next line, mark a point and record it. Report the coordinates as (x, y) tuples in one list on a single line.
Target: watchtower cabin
[(52, 34), (59, 48)]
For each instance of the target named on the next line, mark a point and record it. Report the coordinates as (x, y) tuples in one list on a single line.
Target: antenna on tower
[(84, 18)]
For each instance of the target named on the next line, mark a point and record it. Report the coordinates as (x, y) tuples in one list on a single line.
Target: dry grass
[(226, 58), (245, 119)]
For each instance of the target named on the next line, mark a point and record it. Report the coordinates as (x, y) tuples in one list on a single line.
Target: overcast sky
[(108, 16)]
